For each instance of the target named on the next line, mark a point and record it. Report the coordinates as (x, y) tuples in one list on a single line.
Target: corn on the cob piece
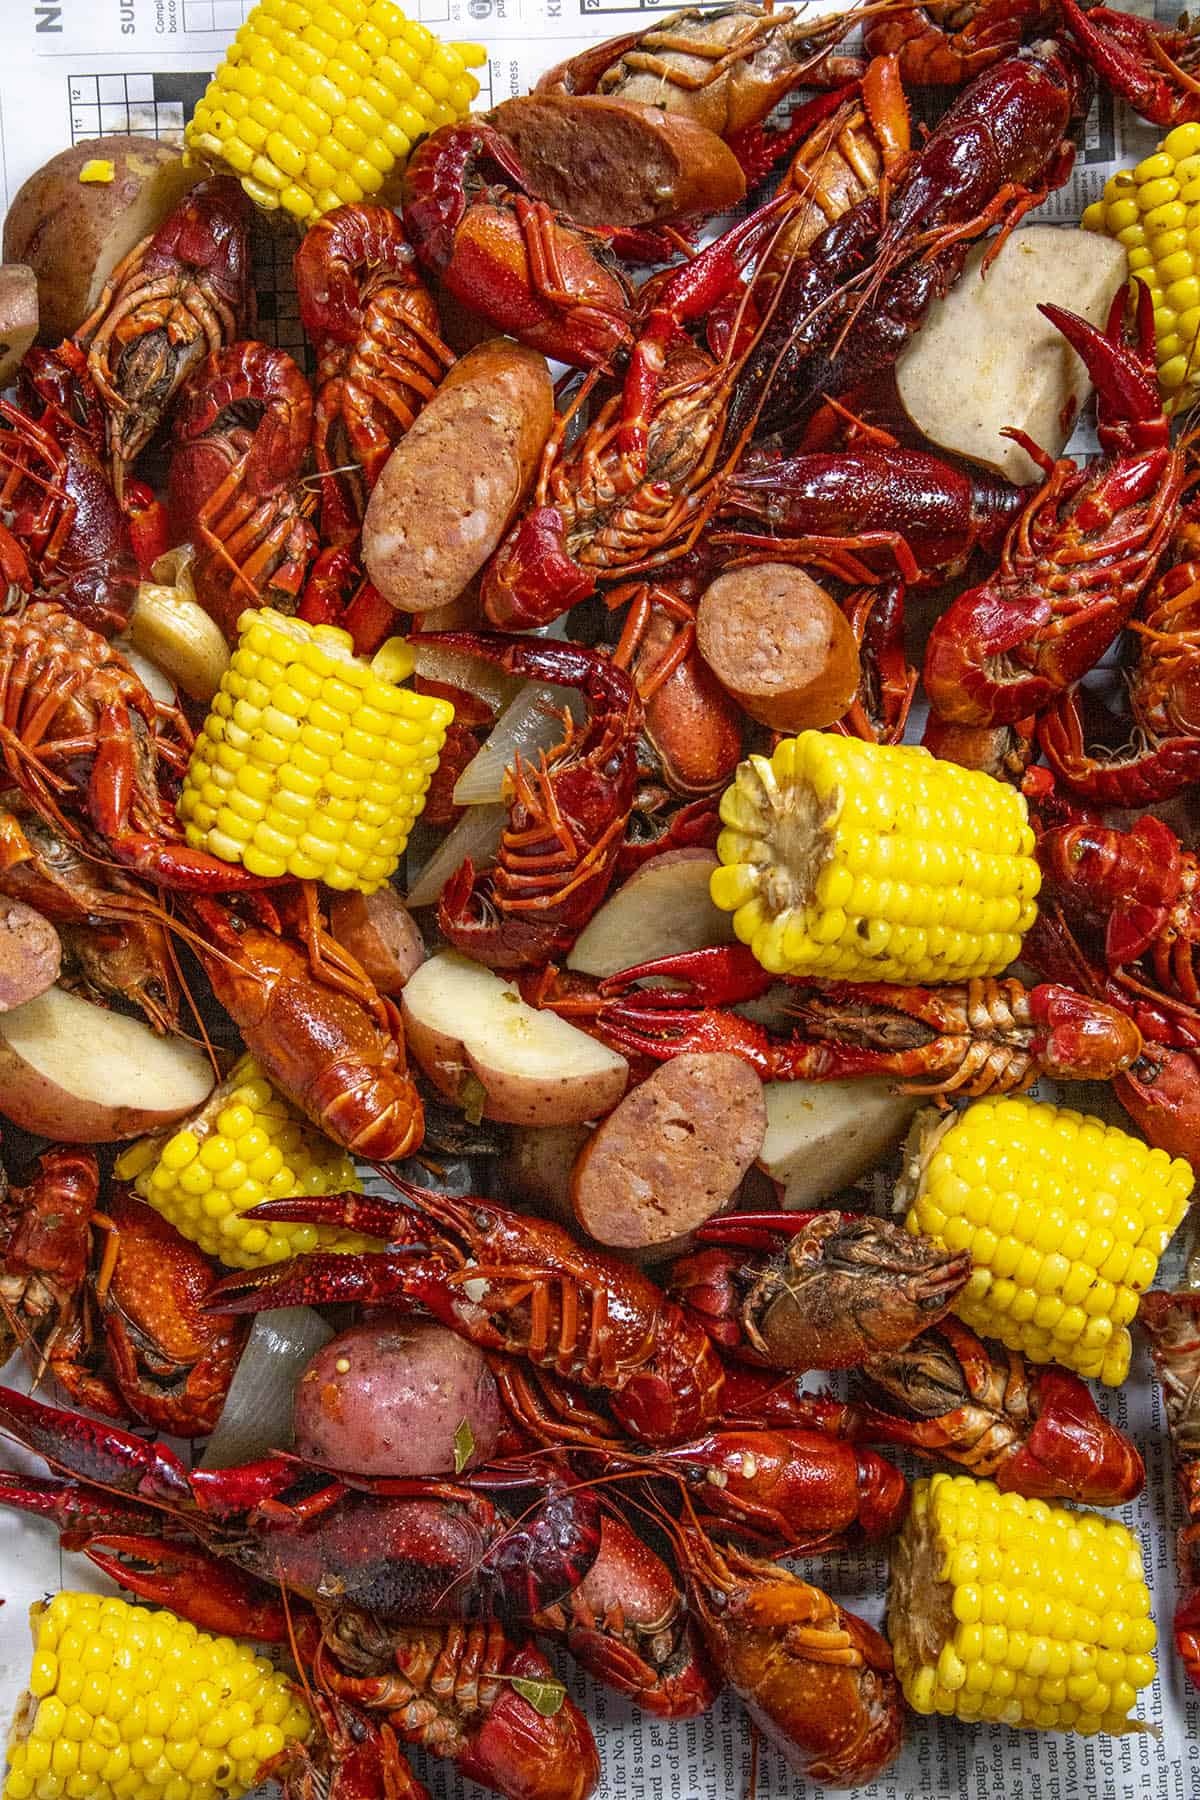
[(244, 1146), (311, 762), (1064, 1217), (1015, 1610), (125, 1703), (317, 101), (1154, 210), (874, 862)]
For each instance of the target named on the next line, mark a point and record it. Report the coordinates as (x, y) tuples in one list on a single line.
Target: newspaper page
[(72, 69)]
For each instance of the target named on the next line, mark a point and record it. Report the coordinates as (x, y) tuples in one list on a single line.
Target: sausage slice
[(780, 645)]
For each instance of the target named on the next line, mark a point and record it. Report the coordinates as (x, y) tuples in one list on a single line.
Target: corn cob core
[(1014, 1610), (1064, 1217), (244, 1146), (874, 862), (311, 762), (1154, 210), (125, 1703), (314, 105)]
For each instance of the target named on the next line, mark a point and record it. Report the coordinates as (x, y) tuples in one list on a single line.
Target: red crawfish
[(114, 935), (657, 822), (1077, 560), (64, 535), (181, 293), (337, 592), (816, 1680), (514, 1284), (985, 1037), (1032, 1430), (887, 683), (1172, 1324), (1164, 692), (323, 1035), (89, 750), (453, 1688), (566, 816), (235, 489), (628, 1625), (945, 43), (797, 1492), (727, 66), (1151, 66), (1143, 887), (474, 222), (45, 1251), (375, 330), (636, 487), (869, 512), (404, 1550), (814, 1290), (847, 308)]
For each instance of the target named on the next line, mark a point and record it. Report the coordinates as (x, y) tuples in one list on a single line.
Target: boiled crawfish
[(726, 67), (65, 536), (45, 1250), (628, 1625), (475, 223), (566, 817), (986, 1037), (235, 489), (943, 43), (848, 307), (1172, 1323), (181, 293), (1164, 692), (375, 330), (1151, 66), (814, 1290), (815, 1680), (323, 1035), (1077, 560), (572, 1312)]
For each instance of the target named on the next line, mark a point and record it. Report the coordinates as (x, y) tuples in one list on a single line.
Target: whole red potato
[(387, 1398)]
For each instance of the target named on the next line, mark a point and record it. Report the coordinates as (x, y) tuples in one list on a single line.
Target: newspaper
[(72, 69)]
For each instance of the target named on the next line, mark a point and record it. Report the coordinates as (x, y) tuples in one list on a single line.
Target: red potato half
[(476, 1039), (663, 909), (82, 1075), (392, 1397)]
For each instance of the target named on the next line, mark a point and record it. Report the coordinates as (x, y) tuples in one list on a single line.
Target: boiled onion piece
[(476, 835), (532, 723), (257, 1415), (474, 674)]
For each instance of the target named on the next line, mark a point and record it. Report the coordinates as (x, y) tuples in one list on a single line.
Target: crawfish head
[(845, 1287)]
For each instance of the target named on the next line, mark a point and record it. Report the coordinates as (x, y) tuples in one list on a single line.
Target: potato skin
[(18, 317), (72, 232), (386, 1398)]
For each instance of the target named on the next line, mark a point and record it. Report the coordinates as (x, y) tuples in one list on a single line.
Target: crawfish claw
[(99, 1453)]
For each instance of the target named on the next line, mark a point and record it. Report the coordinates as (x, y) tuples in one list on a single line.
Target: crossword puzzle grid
[(226, 15)]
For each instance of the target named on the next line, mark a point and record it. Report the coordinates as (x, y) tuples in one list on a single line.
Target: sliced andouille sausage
[(617, 162), (780, 644), (672, 1153), (454, 482), (30, 953), (379, 932)]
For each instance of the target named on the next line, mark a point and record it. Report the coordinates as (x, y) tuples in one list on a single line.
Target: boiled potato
[(474, 1036), (18, 317), (662, 909), (986, 358), (83, 1075), (822, 1135), (73, 232)]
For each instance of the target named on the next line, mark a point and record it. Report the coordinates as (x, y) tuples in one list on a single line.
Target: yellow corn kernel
[(1057, 1286), (311, 763), (247, 1144), (96, 1748), (874, 862), (1152, 210), (1022, 1639), (98, 169), (287, 100)]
